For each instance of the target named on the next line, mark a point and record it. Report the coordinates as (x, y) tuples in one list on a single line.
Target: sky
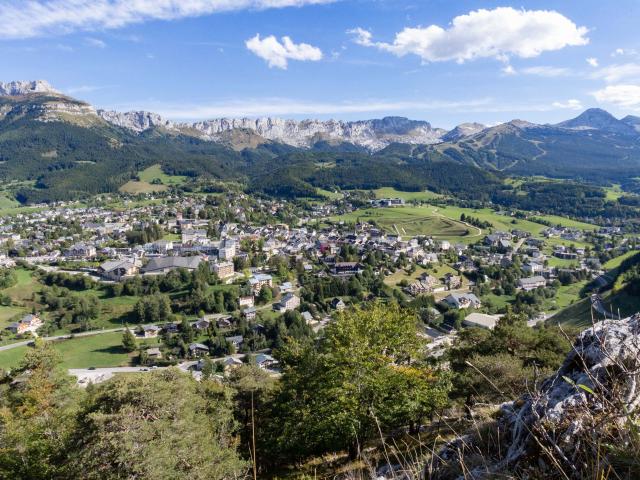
[(443, 61)]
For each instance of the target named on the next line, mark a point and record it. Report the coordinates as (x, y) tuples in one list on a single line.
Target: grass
[(147, 176), (23, 290), (102, 350), (567, 222), (401, 274), (617, 261), (411, 221), (329, 194), (155, 172), (7, 313), (390, 192)]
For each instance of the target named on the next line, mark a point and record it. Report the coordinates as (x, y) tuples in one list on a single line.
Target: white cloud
[(571, 104), (509, 70), (625, 96), (616, 73), (497, 33), (546, 71), (24, 19), (95, 42), (277, 54), (619, 52), (361, 36), (592, 61)]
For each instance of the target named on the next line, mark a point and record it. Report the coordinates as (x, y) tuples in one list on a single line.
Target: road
[(99, 375), (66, 336)]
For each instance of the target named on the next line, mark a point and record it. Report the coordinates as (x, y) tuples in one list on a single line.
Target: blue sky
[(439, 60)]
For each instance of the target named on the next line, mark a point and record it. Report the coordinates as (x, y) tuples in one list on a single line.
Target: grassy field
[(567, 222), (615, 262), (147, 176), (412, 221), (8, 313), (23, 290), (103, 350), (389, 192), (329, 194)]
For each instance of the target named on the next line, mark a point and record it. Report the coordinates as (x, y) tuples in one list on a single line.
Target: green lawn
[(23, 290), (102, 350)]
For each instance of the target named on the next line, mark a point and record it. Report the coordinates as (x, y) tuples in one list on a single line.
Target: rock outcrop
[(559, 430), (18, 88)]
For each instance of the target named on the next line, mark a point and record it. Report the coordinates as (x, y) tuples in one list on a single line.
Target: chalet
[(153, 353), (265, 361), (531, 283), (452, 281), (117, 270), (28, 323), (81, 250), (462, 300), (150, 331), (290, 301), (224, 322), (236, 340), (532, 267), (249, 313), (202, 324), (338, 304), (198, 349), (286, 287)]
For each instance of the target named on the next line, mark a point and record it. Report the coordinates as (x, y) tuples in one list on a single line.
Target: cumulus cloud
[(592, 61), (277, 53), (616, 73), (498, 33), (625, 96), (571, 104), (24, 19)]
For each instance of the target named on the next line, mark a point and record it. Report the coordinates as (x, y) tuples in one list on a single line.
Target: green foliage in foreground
[(163, 425), (365, 377)]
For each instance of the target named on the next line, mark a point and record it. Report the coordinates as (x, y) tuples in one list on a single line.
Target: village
[(238, 279)]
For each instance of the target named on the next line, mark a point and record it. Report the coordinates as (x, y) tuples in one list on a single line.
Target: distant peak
[(26, 87), (598, 119)]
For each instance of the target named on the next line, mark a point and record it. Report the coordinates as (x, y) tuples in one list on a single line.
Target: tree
[(37, 413), (128, 341), (265, 295), (160, 425), (337, 393)]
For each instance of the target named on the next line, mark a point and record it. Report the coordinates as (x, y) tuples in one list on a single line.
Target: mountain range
[(44, 133)]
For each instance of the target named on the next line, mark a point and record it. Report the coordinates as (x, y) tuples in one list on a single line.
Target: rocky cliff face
[(586, 411), (17, 88), (372, 134)]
